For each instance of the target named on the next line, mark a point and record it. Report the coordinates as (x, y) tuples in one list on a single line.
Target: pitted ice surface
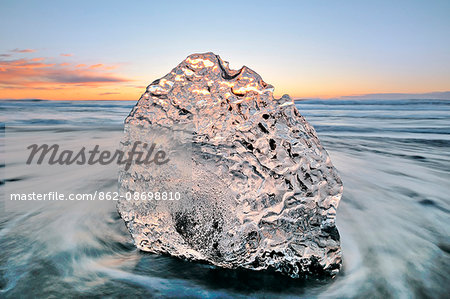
[(258, 190)]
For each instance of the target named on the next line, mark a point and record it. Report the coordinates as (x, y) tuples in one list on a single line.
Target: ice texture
[(258, 190)]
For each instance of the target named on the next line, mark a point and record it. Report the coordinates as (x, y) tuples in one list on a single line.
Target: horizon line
[(433, 95)]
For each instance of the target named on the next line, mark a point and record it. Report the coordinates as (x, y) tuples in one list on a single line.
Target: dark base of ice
[(240, 280)]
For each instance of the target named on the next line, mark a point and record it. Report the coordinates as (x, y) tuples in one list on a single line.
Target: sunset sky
[(110, 50)]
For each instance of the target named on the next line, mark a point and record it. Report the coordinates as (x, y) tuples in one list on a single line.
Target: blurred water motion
[(393, 217)]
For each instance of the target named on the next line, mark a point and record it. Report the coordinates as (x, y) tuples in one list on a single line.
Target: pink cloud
[(16, 50), (111, 67), (38, 73), (66, 55), (96, 66), (107, 93)]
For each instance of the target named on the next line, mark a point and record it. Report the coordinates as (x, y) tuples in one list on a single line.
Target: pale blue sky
[(304, 48)]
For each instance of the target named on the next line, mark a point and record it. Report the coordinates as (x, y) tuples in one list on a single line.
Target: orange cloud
[(23, 63), (96, 66), (38, 77), (110, 67), (23, 50), (66, 54)]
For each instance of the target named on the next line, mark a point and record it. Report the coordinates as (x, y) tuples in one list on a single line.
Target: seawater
[(393, 157)]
